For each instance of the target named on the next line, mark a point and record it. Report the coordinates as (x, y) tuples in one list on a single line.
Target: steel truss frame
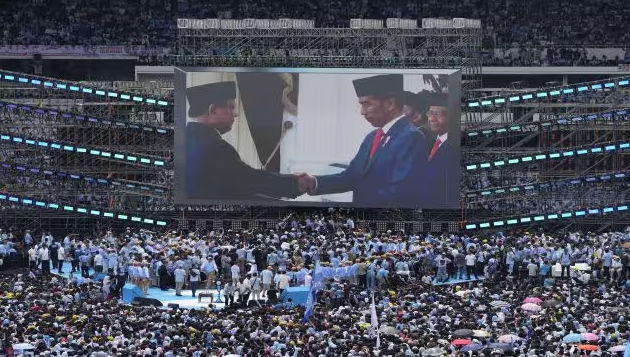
[(540, 131), (334, 47)]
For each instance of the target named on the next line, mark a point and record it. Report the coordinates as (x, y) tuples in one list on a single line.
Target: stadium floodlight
[(580, 213), (526, 219), (596, 86), (539, 218), (515, 98), (497, 223), (81, 210), (527, 96)]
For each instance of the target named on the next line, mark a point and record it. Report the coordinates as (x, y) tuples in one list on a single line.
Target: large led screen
[(373, 138)]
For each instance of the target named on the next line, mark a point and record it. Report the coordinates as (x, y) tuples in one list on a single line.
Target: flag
[(312, 293), (374, 323)]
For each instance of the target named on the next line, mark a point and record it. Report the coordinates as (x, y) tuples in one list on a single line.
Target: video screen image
[(370, 138)]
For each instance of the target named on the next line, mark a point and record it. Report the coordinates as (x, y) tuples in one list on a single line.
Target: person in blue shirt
[(565, 262), (371, 278), (543, 270)]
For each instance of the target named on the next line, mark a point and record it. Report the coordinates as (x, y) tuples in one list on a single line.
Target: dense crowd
[(514, 33), (576, 287)]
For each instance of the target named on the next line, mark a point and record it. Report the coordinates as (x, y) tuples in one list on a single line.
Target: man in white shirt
[(98, 263), (32, 257), (283, 282), (44, 258), (194, 279), (61, 257), (267, 279), (180, 279), (236, 273), (471, 259)]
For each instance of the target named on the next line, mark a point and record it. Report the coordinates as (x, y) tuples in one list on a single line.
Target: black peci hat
[(384, 85), (201, 97)]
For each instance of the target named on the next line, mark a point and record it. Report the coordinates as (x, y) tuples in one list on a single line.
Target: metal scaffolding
[(334, 48), (560, 124)]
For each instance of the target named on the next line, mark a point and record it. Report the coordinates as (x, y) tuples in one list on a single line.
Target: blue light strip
[(542, 93), (75, 87), (586, 180), (71, 148), (92, 211), (608, 116), (610, 147), (537, 217), (50, 173), (53, 113)]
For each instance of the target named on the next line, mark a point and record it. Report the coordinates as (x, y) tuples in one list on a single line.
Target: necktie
[(435, 148), (377, 139)]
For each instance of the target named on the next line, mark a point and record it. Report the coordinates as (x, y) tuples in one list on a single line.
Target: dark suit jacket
[(442, 177), (214, 170), (392, 178)]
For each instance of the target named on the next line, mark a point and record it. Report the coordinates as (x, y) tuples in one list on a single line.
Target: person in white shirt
[(236, 273), (471, 259), (256, 283), (283, 282), (180, 279), (44, 258), (267, 279), (32, 257), (98, 263), (61, 257), (210, 268), (194, 279), (308, 279), (244, 289)]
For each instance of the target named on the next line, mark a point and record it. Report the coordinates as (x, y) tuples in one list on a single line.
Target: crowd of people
[(579, 283), (152, 23)]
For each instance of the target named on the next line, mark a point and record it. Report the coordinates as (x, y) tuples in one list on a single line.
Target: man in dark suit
[(442, 175), (388, 167), (214, 169)]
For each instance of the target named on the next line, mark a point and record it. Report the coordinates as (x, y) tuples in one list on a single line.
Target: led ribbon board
[(123, 157), (568, 152), (610, 115), (78, 88), (554, 92), (54, 113), (108, 182), (540, 217), (620, 176), (89, 211)]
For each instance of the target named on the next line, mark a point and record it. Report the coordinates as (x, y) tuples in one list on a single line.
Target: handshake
[(306, 183)]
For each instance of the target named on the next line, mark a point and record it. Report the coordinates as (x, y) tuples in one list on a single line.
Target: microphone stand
[(285, 127)]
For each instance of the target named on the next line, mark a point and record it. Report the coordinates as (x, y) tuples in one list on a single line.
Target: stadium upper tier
[(516, 33)]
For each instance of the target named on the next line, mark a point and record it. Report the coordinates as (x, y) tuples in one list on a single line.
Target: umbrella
[(533, 300), (620, 348), (461, 342), (463, 333), (588, 336), (433, 352), (531, 307), (572, 338), (500, 346), (499, 304), (588, 347), (472, 347), (551, 303), (389, 330), (508, 338), (481, 333)]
